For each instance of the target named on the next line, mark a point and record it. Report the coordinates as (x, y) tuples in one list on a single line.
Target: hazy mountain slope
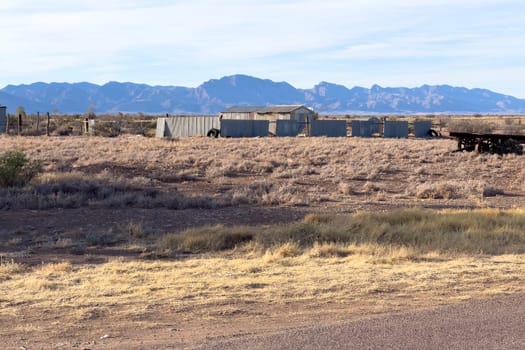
[(218, 94)]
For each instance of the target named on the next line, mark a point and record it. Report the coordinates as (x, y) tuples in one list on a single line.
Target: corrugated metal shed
[(330, 128), (244, 128), (3, 119), (396, 129), (180, 126), (422, 128)]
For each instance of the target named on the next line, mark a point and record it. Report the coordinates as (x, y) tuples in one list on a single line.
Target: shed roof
[(280, 109), (243, 109), (264, 109)]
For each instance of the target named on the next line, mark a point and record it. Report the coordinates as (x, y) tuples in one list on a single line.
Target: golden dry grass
[(394, 260), (209, 173), (216, 286)]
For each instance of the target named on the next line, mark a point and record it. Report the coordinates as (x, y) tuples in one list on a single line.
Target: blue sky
[(408, 43)]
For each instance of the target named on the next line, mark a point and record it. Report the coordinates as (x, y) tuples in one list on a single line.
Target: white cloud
[(186, 42)]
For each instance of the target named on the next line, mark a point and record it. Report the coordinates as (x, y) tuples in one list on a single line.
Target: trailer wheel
[(432, 133), (213, 133)]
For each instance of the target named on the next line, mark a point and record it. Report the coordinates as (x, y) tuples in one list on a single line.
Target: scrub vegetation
[(145, 240)]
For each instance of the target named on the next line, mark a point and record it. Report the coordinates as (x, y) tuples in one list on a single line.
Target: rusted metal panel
[(244, 128), (329, 128), (3, 119), (396, 129)]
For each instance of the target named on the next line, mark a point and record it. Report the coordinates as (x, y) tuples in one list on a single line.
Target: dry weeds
[(141, 172), (253, 271)]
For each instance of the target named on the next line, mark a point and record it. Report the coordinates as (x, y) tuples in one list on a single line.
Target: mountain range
[(216, 95)]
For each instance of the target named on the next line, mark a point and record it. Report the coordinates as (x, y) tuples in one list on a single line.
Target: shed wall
[(3, 119), (244, 128), (330, 128), (396, 129)]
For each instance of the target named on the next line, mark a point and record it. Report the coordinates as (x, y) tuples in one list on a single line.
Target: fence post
[(37, 121), (19, 124), (7, 124), (47, 126)]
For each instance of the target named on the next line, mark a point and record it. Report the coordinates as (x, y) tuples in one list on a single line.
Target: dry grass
[(217, 286), (381, 261), (211, 173), (488, 231), (376, 259)]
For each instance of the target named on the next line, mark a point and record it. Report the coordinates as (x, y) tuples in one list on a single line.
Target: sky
[(470, 43)]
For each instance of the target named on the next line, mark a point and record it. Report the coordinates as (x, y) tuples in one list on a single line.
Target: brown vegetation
[(354, 253), (211, 173)]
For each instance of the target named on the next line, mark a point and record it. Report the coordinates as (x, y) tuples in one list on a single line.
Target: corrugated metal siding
[(330, 128), (3, 121), (286, 109), (244, 128), (181, 126), (365, 128), (91, 127), (421, 128), (236, 116), (288, 128), (396, 129), (161, 127)]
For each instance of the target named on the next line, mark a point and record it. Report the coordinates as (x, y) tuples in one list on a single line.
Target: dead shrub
[(206, 239)]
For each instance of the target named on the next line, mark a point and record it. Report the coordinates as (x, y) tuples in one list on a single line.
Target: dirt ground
[(23, 230)]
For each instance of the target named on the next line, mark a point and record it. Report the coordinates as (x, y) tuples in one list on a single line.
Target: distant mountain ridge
[(216, 95)]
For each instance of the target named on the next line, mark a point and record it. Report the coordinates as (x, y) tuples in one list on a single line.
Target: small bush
[(16, 170)]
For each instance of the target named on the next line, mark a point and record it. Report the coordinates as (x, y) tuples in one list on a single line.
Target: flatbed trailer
[(489, 143)]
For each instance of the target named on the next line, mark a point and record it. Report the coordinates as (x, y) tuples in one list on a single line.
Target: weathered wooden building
[(299, 113)]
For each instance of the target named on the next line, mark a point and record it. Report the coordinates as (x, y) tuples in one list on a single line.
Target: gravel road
[(497, 323)]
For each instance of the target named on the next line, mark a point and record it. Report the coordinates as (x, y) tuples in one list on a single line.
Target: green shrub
[(16, 169)]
